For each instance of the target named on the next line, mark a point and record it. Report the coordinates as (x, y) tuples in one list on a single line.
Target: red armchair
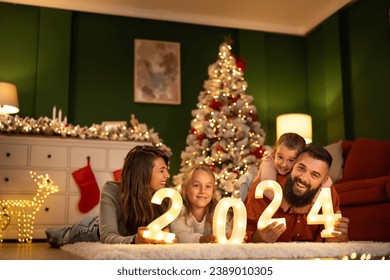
[(364, 188)]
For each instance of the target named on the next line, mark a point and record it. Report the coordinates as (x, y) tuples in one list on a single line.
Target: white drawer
[(74, 214), (13, 155), (116, 158), (19, 181), (79, 157), (51, 212), (49, 156)]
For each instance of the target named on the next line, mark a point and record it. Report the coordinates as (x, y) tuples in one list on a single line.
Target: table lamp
[(298, 123), (8, 99)]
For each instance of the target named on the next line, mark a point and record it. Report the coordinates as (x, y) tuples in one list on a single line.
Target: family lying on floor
[(126, 208)]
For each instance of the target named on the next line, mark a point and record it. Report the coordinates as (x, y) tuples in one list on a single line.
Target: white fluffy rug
[(305, 250)]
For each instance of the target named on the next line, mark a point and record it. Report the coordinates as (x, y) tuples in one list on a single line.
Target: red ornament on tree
[(233, 99), (258, 153), (216, 105), (254, 117), (200, 137), (241, 64)]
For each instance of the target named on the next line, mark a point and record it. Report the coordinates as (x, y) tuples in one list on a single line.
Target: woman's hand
[(139, 239)]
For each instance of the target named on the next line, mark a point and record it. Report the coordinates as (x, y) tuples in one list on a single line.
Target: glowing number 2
[(239, 220), (266, 217), (155, 227)]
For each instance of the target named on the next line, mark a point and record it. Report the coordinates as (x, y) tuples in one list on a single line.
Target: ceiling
[(295, 17)]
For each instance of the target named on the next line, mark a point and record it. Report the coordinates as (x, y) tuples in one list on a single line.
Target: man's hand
[(340, 230), (269, 234)]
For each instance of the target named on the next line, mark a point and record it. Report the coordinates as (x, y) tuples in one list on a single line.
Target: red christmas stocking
[(89, 190), (117, 175)]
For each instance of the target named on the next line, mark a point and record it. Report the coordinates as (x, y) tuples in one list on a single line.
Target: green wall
[(83, 64), (324, 80), (366, 57)]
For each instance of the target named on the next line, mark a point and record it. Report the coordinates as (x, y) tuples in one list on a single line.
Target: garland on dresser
[(55, 127)]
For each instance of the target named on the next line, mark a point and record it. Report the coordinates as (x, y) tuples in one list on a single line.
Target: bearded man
[(301, 188)]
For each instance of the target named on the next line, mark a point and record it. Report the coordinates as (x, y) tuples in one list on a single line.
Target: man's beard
[(298, 200)]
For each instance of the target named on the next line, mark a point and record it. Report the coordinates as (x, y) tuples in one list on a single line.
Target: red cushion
[(368, 222), (368, 191), (367, 158)]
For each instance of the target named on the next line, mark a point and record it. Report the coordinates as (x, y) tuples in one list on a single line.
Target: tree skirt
[(301, 250)]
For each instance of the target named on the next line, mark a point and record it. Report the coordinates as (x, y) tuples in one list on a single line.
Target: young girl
[(279, 162), (194, 224), (125, 207)]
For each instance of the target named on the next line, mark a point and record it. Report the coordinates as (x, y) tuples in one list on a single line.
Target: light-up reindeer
[(24, 210)]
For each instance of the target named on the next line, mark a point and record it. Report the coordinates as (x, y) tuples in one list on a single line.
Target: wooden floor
[(33, 251)]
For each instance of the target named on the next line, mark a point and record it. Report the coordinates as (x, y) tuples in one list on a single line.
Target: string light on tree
[(225, 132)]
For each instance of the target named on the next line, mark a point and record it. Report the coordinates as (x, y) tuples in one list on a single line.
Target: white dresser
[(58, 157)]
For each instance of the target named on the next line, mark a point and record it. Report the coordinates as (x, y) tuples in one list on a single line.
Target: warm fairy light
[(155, 231), (25, 210), (239, 220), (327, 218), (266, 217)]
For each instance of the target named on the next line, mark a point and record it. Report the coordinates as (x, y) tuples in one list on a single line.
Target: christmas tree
[(225, 133)]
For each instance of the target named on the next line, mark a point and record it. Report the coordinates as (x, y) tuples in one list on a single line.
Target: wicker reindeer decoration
[(25, 210)]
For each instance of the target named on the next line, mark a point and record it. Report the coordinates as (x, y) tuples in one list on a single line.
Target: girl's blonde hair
[(187, 177)]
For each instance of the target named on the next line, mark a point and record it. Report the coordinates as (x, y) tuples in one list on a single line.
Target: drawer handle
[(6, 179), (8, 154), (46, 209), (49, 156)]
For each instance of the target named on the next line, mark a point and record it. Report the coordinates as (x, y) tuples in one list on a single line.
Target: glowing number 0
[(239, 220), (266, 217), (154, 228)]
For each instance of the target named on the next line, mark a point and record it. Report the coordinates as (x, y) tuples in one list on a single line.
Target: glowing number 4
[(266, 217), (239, 220), (155, 227), (328, 218)]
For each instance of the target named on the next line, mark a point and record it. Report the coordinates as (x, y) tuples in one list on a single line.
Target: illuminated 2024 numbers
[(239, 220), (328, 217), (266, 217), (155, 227), (323, 201)]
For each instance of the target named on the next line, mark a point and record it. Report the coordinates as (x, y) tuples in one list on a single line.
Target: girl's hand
[(229, 234), (207, 239)]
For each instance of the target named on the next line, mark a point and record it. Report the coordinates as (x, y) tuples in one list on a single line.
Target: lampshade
[(8, 99), (298, 123)]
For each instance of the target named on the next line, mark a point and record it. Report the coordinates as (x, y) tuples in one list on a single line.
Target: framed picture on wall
[(157, 72)]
